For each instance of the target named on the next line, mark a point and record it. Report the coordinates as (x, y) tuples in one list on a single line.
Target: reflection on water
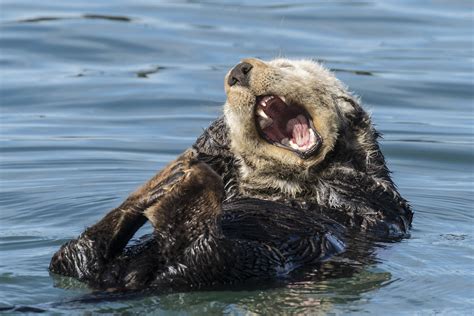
[(338, 283), (97, 97)]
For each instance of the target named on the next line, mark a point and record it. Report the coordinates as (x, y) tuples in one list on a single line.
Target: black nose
[(240, 75)]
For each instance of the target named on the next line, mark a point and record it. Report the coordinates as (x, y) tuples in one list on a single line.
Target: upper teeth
[(262, 113), (263, 120), (263, 102), (265, 99)]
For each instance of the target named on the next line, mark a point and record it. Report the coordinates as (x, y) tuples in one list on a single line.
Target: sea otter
[(273, 186)]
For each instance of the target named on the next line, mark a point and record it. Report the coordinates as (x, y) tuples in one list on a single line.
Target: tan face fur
[(301, 82)]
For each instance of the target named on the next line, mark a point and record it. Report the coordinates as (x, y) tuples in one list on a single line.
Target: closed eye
[(286, 65)]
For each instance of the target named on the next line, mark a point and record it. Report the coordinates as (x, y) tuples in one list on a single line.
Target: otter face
[(282, 112)]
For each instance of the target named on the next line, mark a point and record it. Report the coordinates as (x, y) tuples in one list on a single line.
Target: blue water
[(96, 96)]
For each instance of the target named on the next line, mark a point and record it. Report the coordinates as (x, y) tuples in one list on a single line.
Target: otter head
[(282, 117)]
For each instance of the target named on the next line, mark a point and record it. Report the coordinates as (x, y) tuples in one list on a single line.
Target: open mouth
[(286, 125)]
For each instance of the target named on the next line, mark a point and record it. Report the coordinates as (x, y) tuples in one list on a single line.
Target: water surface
[(97, 96)]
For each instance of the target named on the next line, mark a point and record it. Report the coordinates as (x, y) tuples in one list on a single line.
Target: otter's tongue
[(299, 130)]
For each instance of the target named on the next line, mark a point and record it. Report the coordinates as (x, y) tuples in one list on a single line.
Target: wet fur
[(234, 208)]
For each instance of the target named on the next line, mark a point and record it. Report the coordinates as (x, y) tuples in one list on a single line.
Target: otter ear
[(348, 109), (347, 104)]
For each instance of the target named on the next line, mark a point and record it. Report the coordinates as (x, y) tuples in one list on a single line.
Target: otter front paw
[(187, 191)]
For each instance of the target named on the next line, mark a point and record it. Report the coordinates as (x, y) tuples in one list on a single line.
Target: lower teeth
[(293, 145), (290, 143), (264, 123)]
